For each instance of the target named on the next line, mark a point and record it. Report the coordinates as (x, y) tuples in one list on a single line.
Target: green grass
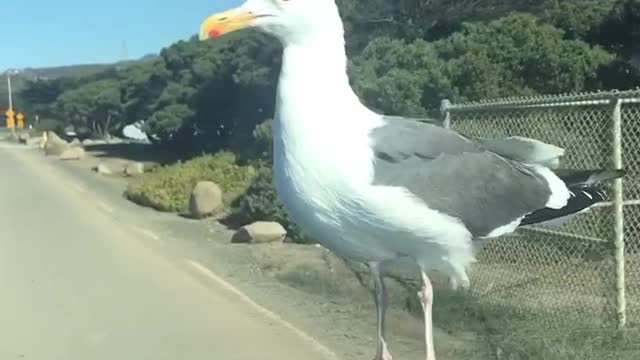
[(168, 188), (494, 332), (514, 335)]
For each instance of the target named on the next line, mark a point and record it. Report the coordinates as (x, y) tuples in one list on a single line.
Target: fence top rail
[(546, 101)]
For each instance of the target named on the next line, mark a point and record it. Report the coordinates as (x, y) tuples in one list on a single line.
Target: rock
[(114, 140), (55, 149), (88, 142), (52, 136), (206, 198), (260, 232), (53, 144), (75, 143), (134, 169), (73, 153), (24, 137), (44, 140), (102, 169), (34, 141)]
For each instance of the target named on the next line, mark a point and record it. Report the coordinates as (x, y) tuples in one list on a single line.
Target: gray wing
[(525, 150), (456, 175)]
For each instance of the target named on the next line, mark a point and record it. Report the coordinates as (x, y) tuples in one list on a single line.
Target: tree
[(38, 95), (577, 18), (95, 108), (514, 55), (407, 55), (165, 122), (620, 34), (141, 84), (402, 78), (519, 55)]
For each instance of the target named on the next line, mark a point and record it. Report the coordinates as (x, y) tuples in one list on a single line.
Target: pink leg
[(384, 355), (426, 298), (382, 351)]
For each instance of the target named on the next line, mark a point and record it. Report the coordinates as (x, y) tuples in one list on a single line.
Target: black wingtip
[(619, 173), (608, 174)]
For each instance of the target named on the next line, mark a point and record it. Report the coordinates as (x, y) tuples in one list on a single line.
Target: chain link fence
[(589, 267)]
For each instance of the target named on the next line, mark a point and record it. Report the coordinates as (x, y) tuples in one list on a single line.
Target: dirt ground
[(306, 284), (321, 294)]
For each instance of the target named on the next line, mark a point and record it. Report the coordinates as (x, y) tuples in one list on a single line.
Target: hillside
[(48, 73), (406, 56)]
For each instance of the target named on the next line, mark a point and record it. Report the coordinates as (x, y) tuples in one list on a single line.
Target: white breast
[(322, 162)]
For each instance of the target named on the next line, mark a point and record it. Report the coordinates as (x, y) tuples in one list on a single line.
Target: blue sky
[(38, 33)]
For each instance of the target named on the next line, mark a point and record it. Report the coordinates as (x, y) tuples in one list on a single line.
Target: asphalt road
[(77, 285)]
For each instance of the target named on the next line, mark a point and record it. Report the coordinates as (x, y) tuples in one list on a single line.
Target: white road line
[(147, 233), (105, 207), (273, 316), (78, 187)]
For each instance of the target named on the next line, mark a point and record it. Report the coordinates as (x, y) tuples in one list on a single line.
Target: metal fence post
[(444, 109), (621, 312)]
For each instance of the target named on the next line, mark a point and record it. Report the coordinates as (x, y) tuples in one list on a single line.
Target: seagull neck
[(316, 70)]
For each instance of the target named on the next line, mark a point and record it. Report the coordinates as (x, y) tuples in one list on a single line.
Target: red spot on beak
[(214, 33)]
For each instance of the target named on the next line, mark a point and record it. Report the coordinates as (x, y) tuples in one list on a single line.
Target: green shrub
[(51, 125), (256, 145), (260, 203), (168, 188)]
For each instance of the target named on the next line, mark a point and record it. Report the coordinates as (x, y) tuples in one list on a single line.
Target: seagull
[(378, 189)]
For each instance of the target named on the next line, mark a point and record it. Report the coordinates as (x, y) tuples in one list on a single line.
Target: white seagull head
[(291, 21)]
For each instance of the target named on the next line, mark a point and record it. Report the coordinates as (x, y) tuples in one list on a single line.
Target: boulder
[(75, 143), (34, 141), (134, 169), (53, 136), (24, 137), (73, 153), (114, 140), (102, 169), (54, 145), (43, 142), (88, 142), (260, 232), (206, 198)]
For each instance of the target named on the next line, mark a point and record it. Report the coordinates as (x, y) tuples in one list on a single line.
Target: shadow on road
[(133, 152)]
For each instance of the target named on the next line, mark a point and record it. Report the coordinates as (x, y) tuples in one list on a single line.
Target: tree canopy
[(406, 56)]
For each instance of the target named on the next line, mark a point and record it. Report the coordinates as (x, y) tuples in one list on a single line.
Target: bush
[(51, 125), (168, 188), (260, 203)]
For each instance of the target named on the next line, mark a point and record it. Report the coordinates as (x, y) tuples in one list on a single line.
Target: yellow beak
[(225, 22)]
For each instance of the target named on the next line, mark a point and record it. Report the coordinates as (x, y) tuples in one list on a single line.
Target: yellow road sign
[(20, 121), (11, 121)]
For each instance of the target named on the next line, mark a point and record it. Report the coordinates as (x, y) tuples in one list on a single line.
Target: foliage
[(94, 107), (518, 54), (60, 77), (514, 55), (168, 188), (578, 18), (407, 56), (396, 77), (620, 31), (51, 125)]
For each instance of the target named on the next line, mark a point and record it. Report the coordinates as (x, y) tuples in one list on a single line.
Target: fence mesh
[(568, 270)]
